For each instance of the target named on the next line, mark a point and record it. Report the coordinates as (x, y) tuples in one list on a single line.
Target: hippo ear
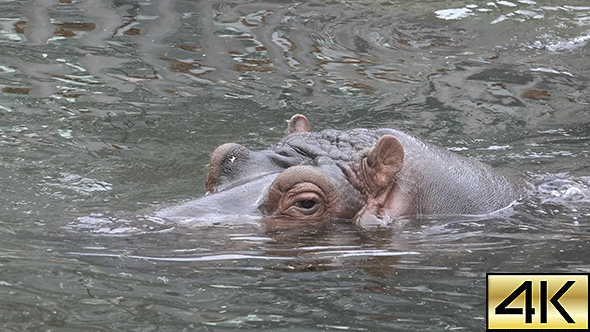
[(384, 161), (298, 124)]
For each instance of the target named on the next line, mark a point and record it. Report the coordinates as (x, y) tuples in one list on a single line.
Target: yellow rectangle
[(547, 301)]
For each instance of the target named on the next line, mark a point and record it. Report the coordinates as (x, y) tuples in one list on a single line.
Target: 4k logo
[(537, 301)]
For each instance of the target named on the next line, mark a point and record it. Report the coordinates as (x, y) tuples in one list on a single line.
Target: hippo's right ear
[(384, 162), (297, 124)]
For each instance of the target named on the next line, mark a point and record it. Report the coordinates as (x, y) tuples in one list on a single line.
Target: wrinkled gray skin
[(369, 176)]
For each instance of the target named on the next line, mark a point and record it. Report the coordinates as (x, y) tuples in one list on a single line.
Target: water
[(111, 107)]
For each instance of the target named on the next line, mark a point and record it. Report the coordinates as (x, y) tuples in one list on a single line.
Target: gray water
[(111, 107)]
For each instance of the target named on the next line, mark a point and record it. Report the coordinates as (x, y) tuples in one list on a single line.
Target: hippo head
[(368, 176), (318, 176)]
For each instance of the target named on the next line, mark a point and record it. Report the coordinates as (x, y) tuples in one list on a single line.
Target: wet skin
[(369, 176)]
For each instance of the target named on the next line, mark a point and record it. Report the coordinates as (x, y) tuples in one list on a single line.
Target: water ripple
[(182, 259)]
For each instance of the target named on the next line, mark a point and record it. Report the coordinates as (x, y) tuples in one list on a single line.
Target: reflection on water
[(111, 107), (283, 55)]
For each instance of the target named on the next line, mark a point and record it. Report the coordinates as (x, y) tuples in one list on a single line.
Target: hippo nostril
[(226, 165)]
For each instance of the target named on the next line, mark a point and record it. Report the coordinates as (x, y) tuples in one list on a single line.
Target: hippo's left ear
[(297, 124), (384, 161)]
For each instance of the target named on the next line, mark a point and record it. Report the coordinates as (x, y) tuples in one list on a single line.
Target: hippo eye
[(303, 204), (301, 192), (306, 204)]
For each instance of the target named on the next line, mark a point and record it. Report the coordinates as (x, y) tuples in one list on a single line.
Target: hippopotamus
[(368, 176)]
